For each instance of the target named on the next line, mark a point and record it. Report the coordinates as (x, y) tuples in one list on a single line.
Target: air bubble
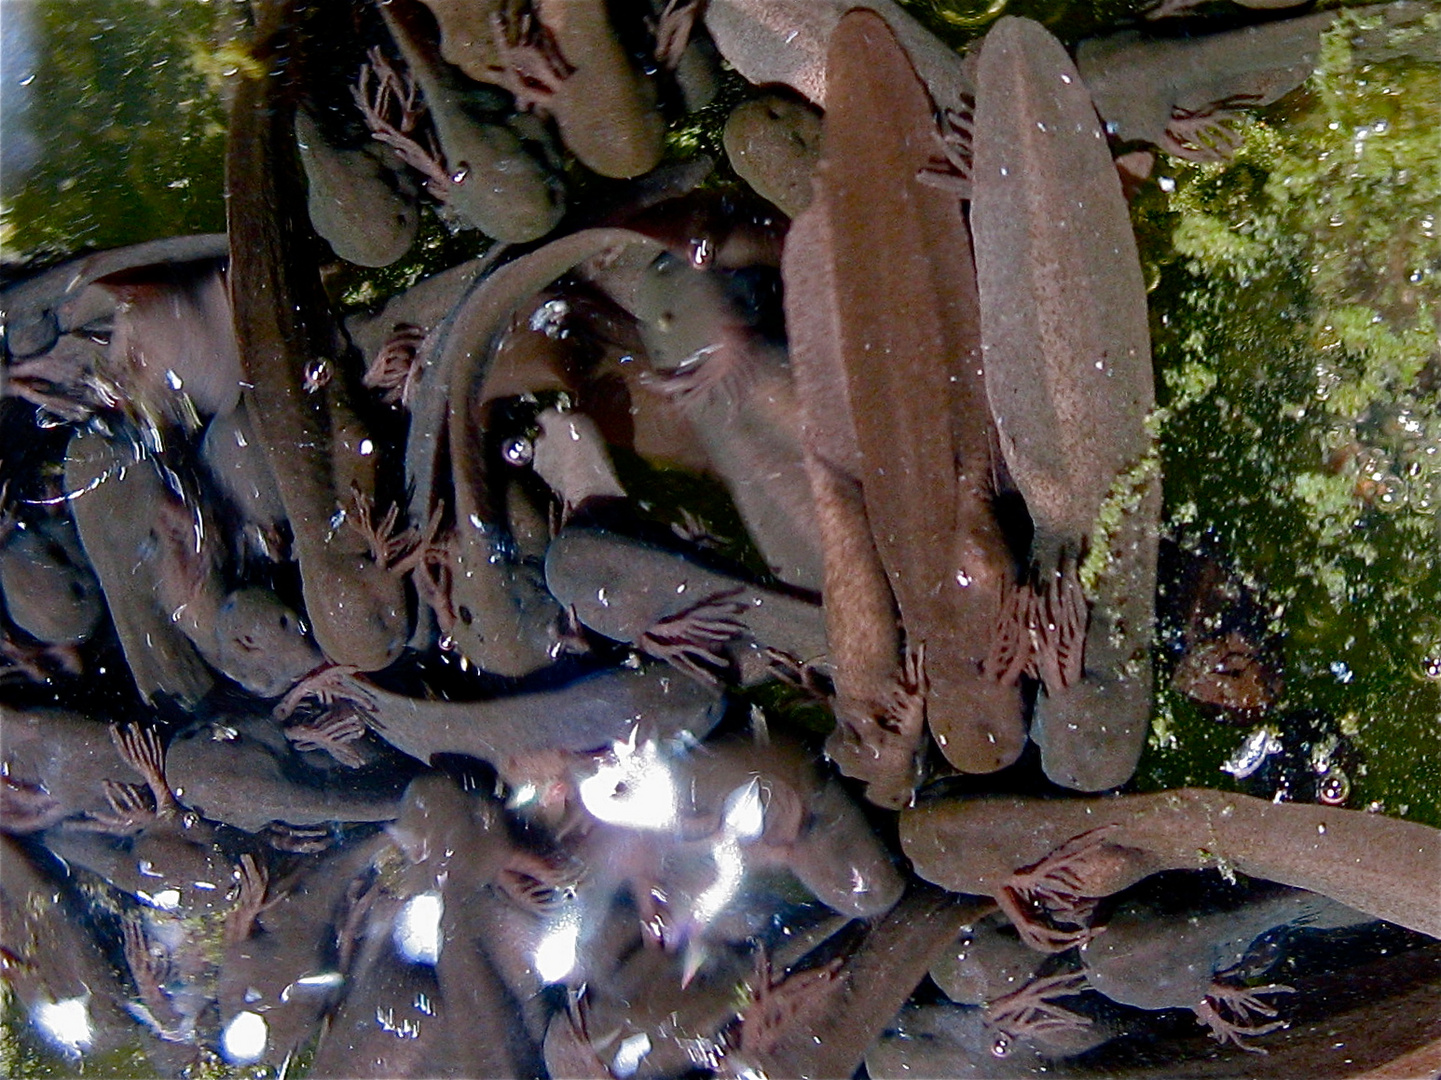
[(518, 451), (1334, 788)]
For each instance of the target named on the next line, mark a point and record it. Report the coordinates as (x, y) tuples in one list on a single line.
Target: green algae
[(123, 107), (1297, 307)]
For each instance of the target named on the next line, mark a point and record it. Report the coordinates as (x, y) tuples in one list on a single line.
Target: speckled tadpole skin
[(509, 628), (1066, 346), (1383, 866), (903, 346), (316, 445)]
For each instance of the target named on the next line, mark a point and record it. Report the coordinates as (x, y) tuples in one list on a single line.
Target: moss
[(1297, 304), (1123, 500)]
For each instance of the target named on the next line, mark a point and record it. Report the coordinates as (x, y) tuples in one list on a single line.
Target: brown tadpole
[(1052, 859), (1067, 355), (290, 348), (871, 983), (886, 353), (506, 618)]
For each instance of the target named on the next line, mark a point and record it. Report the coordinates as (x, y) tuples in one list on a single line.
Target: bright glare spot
[(417, 928), (745, 813), (66, 1024), (730, 868), (555, 955), (524, 795), (329, 980), (628, 1057), (244, 1038), (742, 820), (166, 899), (637, 790)]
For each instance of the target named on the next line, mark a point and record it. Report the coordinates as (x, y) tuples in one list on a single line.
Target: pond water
[(291, 785)]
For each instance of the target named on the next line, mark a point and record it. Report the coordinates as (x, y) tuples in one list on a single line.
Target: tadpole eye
[(518, 451)]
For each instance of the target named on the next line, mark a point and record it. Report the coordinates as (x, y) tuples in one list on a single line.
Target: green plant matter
[(124, 107), (1296, 310)]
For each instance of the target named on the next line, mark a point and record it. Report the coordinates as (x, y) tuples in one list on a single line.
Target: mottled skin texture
[(605, 109), (1178, 93), (1057, 856), (49, 591), (486, 176), (735, 389), (317, 448), (773, 142), (356, 200), (1154, 961), (1066, 347), (656, 599), (117, 514), (907, 352)]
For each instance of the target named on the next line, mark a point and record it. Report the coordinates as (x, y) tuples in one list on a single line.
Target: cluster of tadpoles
[(444, 739)]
